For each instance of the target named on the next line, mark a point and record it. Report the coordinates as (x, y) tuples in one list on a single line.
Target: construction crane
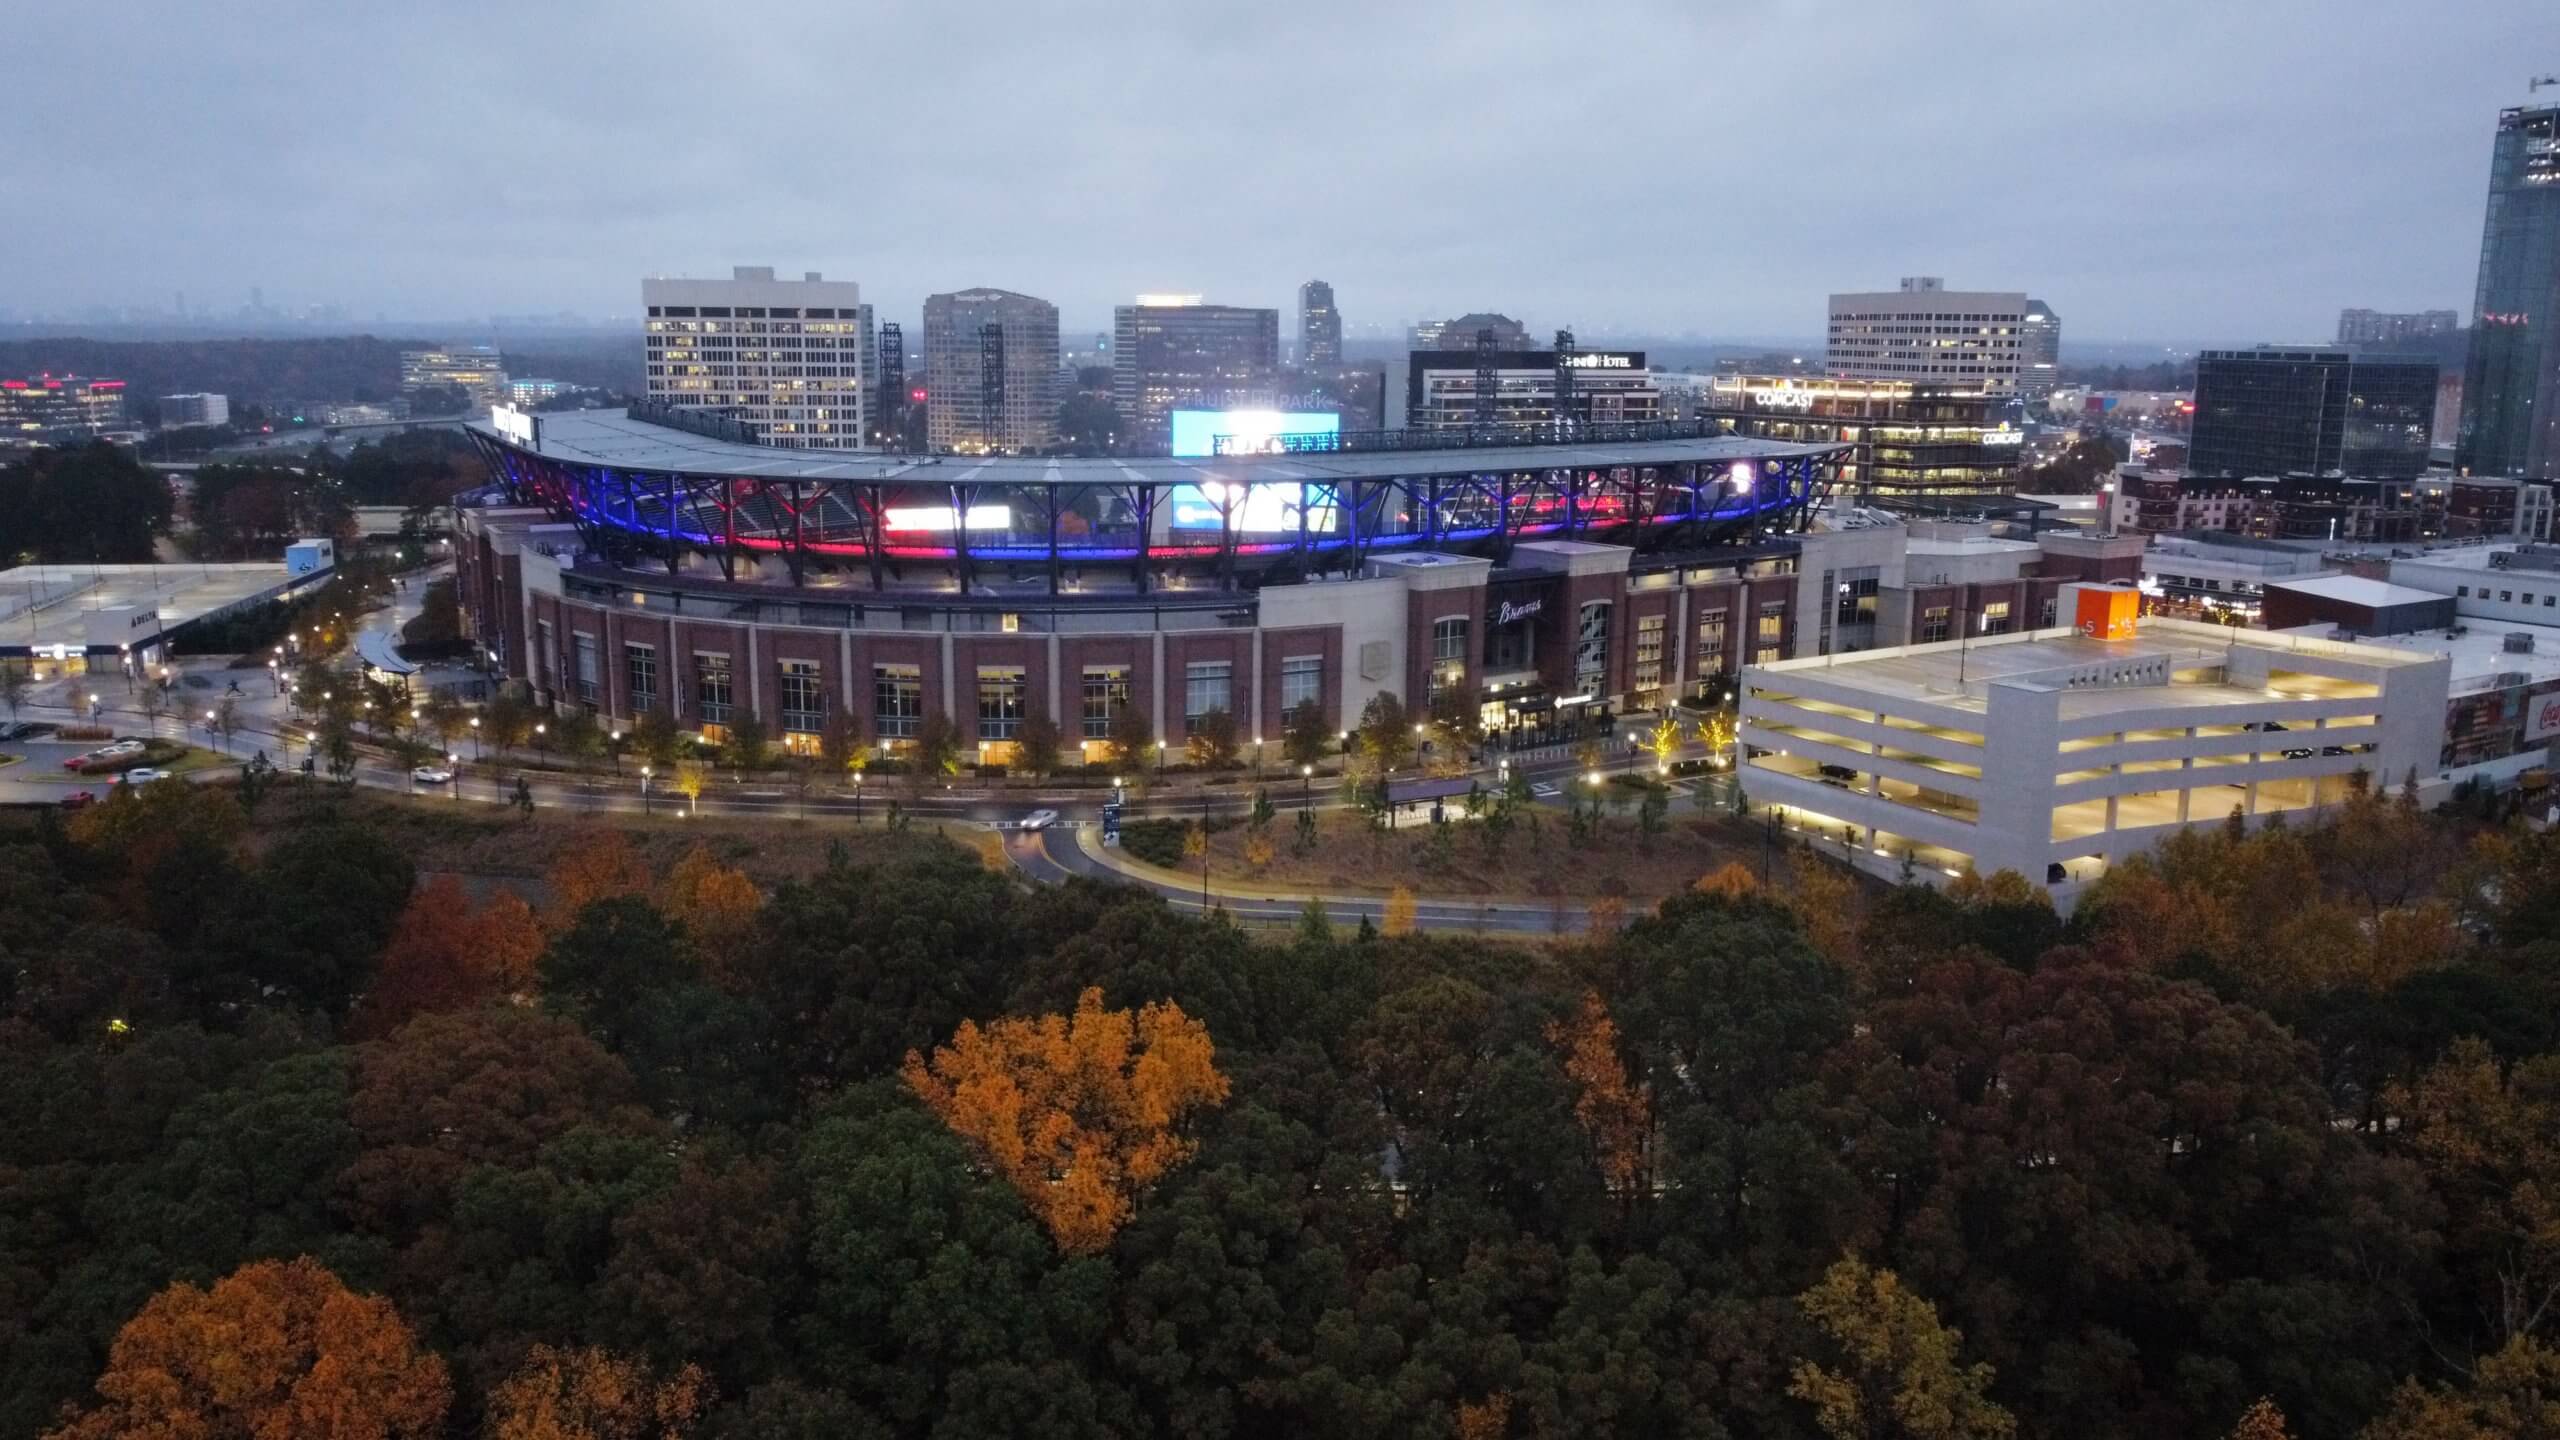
[(2538, 81)]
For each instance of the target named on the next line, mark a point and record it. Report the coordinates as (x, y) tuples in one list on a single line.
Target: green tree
[(1307, 738), (1133, 740), (1386, 732), (744, 745), (937, 745), (1211, 742), (1037, 743), (656, 737)]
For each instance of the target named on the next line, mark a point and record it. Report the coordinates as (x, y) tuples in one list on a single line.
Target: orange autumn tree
[(715, 903), (1729, 881), (277, 1348), (1614, 1111), (595, 864), (594, 1394), (1079, 1114), (446, 954)]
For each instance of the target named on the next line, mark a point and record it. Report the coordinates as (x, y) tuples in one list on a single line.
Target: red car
[(78, 800)]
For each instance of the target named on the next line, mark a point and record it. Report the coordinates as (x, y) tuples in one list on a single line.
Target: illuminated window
[(897, 700), (640, 669), (1106, 694), (804, 698), (1000, 699), (1206, 685), (711, 688), (1648, 666), (1301, 680)]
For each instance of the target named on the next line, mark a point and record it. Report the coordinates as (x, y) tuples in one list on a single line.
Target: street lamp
[(1306, 787), (644, 789), (475, 737), (617, 752), (1159, 751)]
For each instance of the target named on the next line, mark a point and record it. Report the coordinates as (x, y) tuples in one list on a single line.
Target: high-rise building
[(1927, 333), (1319, 326), (991, 370), (784, 357), (2386, 327), (2511, 382), (2325, 411), (889, 415), (1609, 387), (1170, 352), (182, 412), (478, 371), (1909, 439), (45, 406), (2040, 357), (1460, 332)]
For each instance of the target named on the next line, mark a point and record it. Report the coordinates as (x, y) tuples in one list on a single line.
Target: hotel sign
[(1599, 360)]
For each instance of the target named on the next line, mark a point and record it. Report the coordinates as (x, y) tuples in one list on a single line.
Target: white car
[(1039, 819), (140, 775), (431, 775)]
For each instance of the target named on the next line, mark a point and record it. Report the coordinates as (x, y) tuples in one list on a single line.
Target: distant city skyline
[(2150, 175)]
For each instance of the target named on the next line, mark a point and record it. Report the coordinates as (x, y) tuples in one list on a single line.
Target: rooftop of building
[(2478, 649), (48, 606), (2356, 590), (1959, 673), (614, 440)]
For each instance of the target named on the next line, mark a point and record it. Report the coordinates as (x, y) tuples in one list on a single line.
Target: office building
[(184, 412), (1605, 387), (2058, 751), (2511, 381), (2299, 411), (782, 357), (527, 391), (60, 407), (991, 372), (1319, 327), (1929, 334), (1171, 352), (2040, 353), (478, 371), (1462, 332), (2385, 327), (1907, 437)]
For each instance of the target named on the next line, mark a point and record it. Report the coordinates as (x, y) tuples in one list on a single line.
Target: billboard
[(1265, 509), (2541, 717), (1198, 433)]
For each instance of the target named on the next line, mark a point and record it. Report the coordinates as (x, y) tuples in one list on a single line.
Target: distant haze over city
[(2175, 174)]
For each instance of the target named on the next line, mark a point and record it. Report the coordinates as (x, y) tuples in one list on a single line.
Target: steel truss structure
[(1241, 533)]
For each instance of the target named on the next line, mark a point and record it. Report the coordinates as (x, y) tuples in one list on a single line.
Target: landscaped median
[(1529, 858)]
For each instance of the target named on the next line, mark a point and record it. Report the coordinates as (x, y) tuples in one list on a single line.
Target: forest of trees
[(2263, 1140)]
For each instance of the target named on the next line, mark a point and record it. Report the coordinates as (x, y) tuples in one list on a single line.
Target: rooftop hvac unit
[(2519, 642)]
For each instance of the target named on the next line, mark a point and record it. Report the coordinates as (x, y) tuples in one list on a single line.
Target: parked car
[(431, 775), (78, 800), (107, 757), (139, 775), (1039, 819)]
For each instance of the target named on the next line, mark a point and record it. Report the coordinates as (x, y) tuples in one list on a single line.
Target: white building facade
[(784, 356), (1926, 332), (2055, 753)]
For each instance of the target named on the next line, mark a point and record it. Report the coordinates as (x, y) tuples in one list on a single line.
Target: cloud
[(2180, 170)]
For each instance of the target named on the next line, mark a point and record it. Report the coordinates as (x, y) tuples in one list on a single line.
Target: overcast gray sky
[(2231, 170)]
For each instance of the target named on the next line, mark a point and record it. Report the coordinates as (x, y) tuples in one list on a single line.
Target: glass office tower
[(2511, 384), (2284, 411)]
